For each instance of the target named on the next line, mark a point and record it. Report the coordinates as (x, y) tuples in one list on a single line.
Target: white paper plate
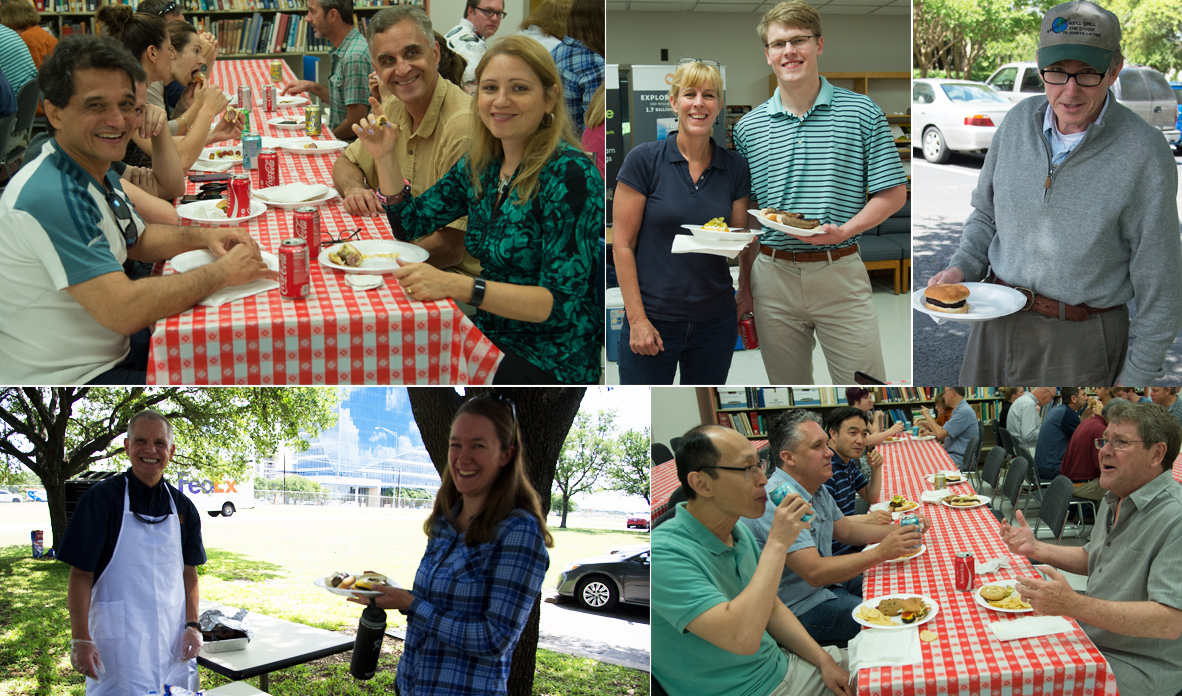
[(278, 122), (983, 501), (332, 193), (785, 228), (323, 147), (1009, 582), (922, 548), (319, 582), (183, 263), (935, 609), (204, 211), (373, 264), (931, 478), (986, 301), (886, 505), (207, 154), (732, 234), (923, 438)]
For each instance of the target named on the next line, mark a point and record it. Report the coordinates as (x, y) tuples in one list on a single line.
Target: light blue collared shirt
[(1061, 144)]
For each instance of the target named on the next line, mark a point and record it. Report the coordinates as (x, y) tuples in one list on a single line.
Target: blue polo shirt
[(961, 427), (821, 165), (847, 480), (794, 592), (1053, 438), (682, 287)]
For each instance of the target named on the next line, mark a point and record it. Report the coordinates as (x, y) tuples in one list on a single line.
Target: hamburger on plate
[(947, 297)]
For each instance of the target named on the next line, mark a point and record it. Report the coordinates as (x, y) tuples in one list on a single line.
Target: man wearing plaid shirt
[(348, 91)]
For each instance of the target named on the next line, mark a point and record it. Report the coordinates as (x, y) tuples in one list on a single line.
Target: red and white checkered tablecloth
[(967, 658), (337, 335), (1178, 469)]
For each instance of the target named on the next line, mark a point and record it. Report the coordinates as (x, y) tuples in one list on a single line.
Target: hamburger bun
[(947, 297), (993, 593), (368, 579)]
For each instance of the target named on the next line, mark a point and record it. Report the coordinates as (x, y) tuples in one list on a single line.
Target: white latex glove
[(190, 644), (84, 657)]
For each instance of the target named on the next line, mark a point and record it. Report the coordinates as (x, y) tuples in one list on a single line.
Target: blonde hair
[(694, 75), (792, 13), (597, 109), (549, 16), (544, 142), (511, 490)]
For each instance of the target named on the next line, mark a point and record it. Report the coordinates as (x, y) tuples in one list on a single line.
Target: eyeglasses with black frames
[(169, 8), (335, 240), (796, 42), (492, 14), (749, 472), (122, 210), (504, 400), (1055, 76)]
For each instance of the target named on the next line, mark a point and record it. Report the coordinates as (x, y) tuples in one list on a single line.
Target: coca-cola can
[(268, 168), (747, 331), (965, 566), (239, 196), (269, 98), (293, 269), (306, 226)]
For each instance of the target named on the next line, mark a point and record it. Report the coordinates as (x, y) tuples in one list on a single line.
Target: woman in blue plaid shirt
[(485, 560)]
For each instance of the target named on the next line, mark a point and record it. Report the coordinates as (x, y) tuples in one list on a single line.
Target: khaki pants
[(798, 303), (1092, 490), (1031, 348), (803, 678)]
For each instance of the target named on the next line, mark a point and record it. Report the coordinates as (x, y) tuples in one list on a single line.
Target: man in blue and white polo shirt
[(848, 429), (67, 309), (819, 150)]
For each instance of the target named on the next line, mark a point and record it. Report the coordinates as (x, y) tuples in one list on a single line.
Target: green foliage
[(409, 493), (629, 471), (556, 504), (588, 450), (294, 482), (1151, 32)]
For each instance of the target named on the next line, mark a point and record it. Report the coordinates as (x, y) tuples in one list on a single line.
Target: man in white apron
[(133, 618)]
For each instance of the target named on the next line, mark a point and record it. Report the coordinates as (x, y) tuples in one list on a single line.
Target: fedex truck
[(215, 495)]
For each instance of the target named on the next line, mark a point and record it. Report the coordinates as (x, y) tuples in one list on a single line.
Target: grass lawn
[(264, 560)]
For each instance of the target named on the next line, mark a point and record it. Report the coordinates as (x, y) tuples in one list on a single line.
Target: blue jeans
[(833, 620), (134, 368), (703, 349)]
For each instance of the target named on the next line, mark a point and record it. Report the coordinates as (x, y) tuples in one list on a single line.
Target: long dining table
[(966, 657), (336, 335)]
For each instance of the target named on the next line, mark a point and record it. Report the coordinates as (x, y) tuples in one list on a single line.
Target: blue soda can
[(779, 492), (252, 145), (909, 519)]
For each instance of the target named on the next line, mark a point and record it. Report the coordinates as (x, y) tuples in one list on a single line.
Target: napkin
[(203, 166), (883, 648), (992, 566), (1029, 627), (292, 193), (189, 260), (686, 244)]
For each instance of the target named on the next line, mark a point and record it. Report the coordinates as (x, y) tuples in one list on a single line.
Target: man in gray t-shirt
[(1133, 606)]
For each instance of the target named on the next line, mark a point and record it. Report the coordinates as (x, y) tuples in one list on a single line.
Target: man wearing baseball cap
[(1076, 191)]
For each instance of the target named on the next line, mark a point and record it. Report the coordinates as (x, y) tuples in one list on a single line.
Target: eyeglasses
[(1117, 445), (749, 472), (492, 14), (1083, 79), (796, 41), (332, 240), (703, 61), (122, 212), (504, 400), (170, 7)]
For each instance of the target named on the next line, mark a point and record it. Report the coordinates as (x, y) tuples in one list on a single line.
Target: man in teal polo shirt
[(818, 150), (716, 620)]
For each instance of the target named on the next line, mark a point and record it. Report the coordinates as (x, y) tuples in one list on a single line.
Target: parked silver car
[(7, 496), (954, 115)]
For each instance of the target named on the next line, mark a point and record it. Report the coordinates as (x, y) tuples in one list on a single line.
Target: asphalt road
[(940, 204)]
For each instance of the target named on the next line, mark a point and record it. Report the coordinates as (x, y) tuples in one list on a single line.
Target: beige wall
[(674, 409)]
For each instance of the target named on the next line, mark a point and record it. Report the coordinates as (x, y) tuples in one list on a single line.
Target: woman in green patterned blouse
[(534, 202)]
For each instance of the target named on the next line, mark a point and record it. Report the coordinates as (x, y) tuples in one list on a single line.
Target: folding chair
[(968, 462), (660, 453), (1012, 487), (991, 473), (1057, 500), (22, 128)]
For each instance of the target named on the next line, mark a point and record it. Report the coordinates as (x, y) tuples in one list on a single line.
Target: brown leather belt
[(808, 256), (1051, 307)]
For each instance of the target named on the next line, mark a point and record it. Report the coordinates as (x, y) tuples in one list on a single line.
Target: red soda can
[(268, 168), (239, 196), (747, 331), (293, 269), (245, 101), (269, 96), (965, 566), (306, 226)]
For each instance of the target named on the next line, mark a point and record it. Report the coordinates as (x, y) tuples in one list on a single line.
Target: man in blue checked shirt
[(817, 150)]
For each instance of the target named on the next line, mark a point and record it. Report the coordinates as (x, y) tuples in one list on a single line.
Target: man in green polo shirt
[(717, 625), (1133, 607), (348, 90), (817, 150)]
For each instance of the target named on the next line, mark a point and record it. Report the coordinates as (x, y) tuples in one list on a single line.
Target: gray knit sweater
[(1105, 230)]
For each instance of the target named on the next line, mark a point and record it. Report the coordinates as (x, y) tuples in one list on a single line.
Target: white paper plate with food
[(790, 229), (900, 559), (889, 611), (923, 438), (896, 504), (951, 478), (219, 154), (344, 583), (964, 502), (1009, 598), (370, 256), (287, 122), (295, 195), (986, 301), (314, 147), (209, 212), (719, 234)]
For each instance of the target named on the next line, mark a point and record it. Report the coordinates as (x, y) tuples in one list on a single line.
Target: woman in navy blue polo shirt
[(679, 308)]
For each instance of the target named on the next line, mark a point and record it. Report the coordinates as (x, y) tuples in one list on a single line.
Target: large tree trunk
[(545, 417), (55, 494)]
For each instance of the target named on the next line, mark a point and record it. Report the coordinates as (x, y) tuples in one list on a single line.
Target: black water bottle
[(367, 647)]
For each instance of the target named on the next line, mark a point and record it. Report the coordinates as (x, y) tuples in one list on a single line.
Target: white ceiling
[(848, 7)]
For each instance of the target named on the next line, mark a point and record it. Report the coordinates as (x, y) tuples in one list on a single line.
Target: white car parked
[(954, 116), (7, 496)]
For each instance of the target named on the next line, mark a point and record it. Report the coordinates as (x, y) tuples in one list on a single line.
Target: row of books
[(263, 34), (782, 397), (208, 5), (748, 423)]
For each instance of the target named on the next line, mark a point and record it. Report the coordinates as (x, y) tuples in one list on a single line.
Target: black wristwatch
[(193, 624), (477, 292)]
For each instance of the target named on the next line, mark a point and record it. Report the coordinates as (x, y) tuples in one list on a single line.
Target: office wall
[(852, 43), (674, 411), (445, 14)]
